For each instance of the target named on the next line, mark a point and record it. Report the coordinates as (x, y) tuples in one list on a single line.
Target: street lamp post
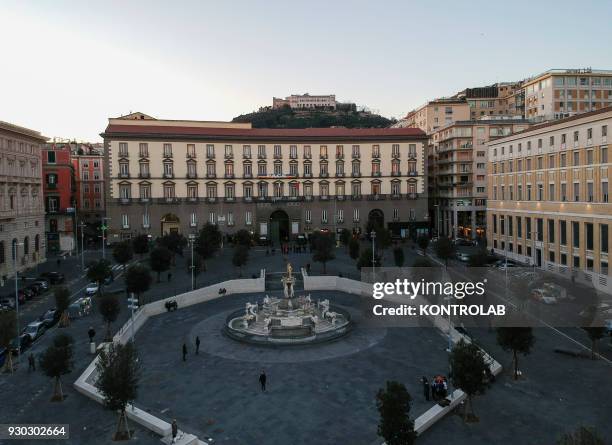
[(192, 242), (373, 236), (104, 227), (15, 245), (82, 226)]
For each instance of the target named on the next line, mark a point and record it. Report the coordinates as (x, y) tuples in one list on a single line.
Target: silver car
[(35, 330)]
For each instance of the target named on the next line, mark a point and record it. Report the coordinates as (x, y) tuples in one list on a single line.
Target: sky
[(67, 66)]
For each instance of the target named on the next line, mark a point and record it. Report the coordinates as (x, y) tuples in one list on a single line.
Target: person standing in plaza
[(91, 333), (197, 343), (184, 352), (174, 430), (31, 363), (262, 380), (426, 387)]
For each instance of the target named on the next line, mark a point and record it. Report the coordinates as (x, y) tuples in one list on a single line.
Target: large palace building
[(548, 196), (166, 175)]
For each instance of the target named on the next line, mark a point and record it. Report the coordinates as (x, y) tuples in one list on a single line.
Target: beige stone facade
[(22, 215), (177, 176), (436, 114), (548, 196)]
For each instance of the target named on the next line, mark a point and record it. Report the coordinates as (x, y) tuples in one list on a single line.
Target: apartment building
[(59, 194), (306, 102), (548, 196), (437, 113), (459, 156), (560, 93), (166, 176), (88, 164), (22, 216), (500, 99)]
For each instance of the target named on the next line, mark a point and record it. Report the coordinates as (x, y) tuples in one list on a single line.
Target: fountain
[(290, 319)]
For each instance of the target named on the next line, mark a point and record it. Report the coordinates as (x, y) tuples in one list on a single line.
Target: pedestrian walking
[(174, 430), (184, 352), (262, 380), (426, 387), (91, 333), (31, 363), (197, 345), (169, 277)]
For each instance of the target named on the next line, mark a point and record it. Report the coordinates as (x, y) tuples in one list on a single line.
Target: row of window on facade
[(13, 167), (17, 249), (17, 146), (261, 151), (28, 199), (589, 158), (229, 219), (507, 193), (262, 188), (603, 133), (262, 169), (559, 230)]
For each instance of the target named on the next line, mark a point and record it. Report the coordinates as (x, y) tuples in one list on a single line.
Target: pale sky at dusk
[(69, 65)]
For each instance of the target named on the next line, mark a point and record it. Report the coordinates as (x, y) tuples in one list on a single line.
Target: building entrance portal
[(170, 223), (279, 226)]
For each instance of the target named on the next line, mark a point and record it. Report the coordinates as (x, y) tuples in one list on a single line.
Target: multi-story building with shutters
[(166, 176)]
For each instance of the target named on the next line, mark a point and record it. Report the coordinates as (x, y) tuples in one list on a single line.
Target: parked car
[(543, 295), (35, 330), (463, 256), (91, 289), (8, 302), (263, 240), (49, 318), (18, 345), (27, 293), (80, 307), (44, 284), (37, 290), (53, 277), (463, 242)]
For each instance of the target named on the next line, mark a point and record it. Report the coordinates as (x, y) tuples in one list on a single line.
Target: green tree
[(595, 334), (197, 267), (62, 301), (160, 260), (515, 339), (469, 367), (444, 249), (423, 242), (383, 238), (123, 253), (354, 248), (98, 271), (393, 403), (174, 242), (398, 256), (140, 244), (118, 376), (345, 237), (323, 248), (56, 361), (8, 330), (365, 259), (240, 257), (138, 280), (582, 436), (109, 308), (208, 241), (243, 238)]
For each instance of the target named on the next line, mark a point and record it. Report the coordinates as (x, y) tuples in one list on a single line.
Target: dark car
[(53, 277), (263, 240), (24, 341), (38, 287), (27, 293), (8, 302), (49, 318)]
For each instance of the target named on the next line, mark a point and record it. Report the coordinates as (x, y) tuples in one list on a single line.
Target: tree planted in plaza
[(323, 244), (138, 280), (398, 257), (140, 244), (345, 237), (123, 253), (519, 340), (56, 361), (118, 376), (444, 249), (98, 271), (160, 260), (423, 242), (354, 248), (365, 259), (582, 436), (243, 238), (174, 242), (240, 257), (469, 367), (109, 307), (8, 330), (595, 334), (208, 241), (383, 238), (62, 301), (393, 403)]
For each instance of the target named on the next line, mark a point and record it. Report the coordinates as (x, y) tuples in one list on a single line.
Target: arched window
[(37, 243), (26, 245)]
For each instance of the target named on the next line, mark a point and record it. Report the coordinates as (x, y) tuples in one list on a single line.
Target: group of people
[(197, 348), (438, 387)]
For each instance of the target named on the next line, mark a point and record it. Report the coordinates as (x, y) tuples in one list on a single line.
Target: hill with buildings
[(287, 117)]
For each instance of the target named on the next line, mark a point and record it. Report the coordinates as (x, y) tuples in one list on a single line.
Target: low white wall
[(84, 383)]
